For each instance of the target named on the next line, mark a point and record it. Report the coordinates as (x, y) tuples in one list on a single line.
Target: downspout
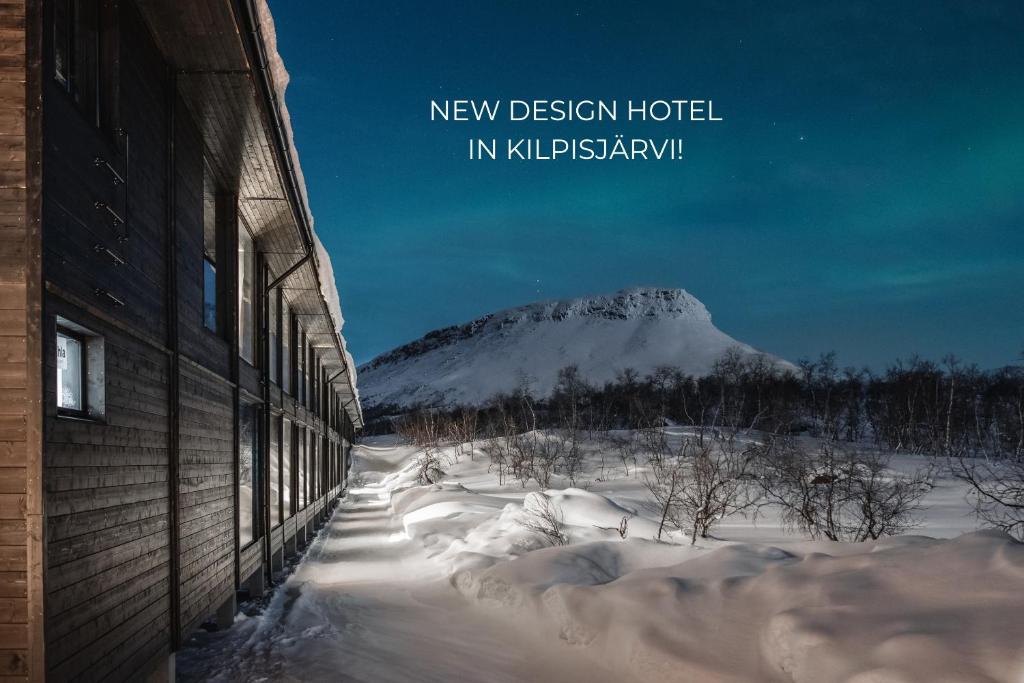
[(268, 420), (173, 345)]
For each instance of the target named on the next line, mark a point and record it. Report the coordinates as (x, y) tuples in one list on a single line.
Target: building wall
[(108, 551), (141, 505), (206, 495), (21, 647)]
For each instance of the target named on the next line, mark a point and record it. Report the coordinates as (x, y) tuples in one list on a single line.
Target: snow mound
[(902, 609), (641, 328)]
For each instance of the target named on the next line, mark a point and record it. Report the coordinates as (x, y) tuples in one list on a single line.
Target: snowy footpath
[(447, 582), (367, 604)]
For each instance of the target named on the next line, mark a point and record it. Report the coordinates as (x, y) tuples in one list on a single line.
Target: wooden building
[(176, 402)]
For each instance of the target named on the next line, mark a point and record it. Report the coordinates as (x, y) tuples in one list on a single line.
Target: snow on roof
[(328, 288)]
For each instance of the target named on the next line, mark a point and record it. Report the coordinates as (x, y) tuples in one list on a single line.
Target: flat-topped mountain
[(640, 328)]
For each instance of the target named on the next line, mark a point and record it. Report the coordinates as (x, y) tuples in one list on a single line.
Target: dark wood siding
[(108, 553), (206, 494), (107, 574), (141, 540)]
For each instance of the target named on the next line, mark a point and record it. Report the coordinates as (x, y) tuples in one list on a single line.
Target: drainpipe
[(250, 16)]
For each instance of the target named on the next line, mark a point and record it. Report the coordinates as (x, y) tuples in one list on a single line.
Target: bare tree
[(840, 495), (664, 481), (996, 490), (716, 484), (626, 446)]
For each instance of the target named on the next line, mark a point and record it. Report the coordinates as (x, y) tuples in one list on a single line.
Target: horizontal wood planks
[(206, 501), (20, 467), (141, 504), (107, 580)]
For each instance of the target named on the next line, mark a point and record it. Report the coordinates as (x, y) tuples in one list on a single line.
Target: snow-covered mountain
[(641, 328)]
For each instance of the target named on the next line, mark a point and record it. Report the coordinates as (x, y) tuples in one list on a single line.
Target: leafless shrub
[(627, 447), (664, 481), (699, 482), (996, 490), (545, 519), (622, 529), (466, 431), (718, 483), (840, 495), (429, 467)]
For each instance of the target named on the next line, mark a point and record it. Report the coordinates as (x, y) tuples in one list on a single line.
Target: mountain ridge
[(640, 327)]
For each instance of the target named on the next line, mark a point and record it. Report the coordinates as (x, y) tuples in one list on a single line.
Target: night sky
[(864, 194)]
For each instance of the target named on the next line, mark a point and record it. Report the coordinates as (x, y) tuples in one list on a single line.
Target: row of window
[(295, 365), (301, 461), (303, 468), (85, 48), (84, 55)]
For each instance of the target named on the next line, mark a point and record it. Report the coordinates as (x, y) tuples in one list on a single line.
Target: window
[(343, 461), (80, 381), (70, 373), (314, 363), (301, 488), (314, 470), (274, 324), (310, 389), (300, 354), (275, 472), (248, 474), (305, 467), (286, 468), (287, 370), (246, 295), (85, 56), (212, 286)]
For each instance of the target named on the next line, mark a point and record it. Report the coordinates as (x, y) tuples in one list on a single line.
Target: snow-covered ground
[(445, 583)]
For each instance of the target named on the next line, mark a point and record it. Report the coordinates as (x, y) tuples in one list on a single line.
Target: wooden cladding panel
[(77, 234), (19, 310), (195, 341), (107, 584), (206, 513)]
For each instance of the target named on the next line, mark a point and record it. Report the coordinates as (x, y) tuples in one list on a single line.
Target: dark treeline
[(836, 485), (915, 406)]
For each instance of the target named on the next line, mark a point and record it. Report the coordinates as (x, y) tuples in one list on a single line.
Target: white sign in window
[(69, 373)]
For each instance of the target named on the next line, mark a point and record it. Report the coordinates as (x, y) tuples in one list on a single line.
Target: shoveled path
[(367, 605)]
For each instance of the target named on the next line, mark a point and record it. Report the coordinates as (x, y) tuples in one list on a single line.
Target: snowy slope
[(467, 364)]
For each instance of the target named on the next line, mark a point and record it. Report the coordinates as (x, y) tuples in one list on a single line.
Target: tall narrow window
[(85, 56), (211, 285), (286, 346), (274, 323), (70, 373), (81, 371), (286, 469), (300, 490), (300, 354), (249, 503), (314, 467), (275, 472), (246, 295), (313, 365)]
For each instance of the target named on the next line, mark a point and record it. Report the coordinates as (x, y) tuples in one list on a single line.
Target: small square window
[(80, 381)]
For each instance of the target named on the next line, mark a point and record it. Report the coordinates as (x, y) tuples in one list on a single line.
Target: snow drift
[(902, 609), (525, 347)]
